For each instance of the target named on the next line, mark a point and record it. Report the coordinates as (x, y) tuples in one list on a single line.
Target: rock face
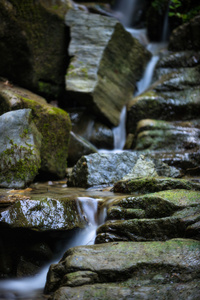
[(19, 149), (105, 66), (123, 270), (53, 123)]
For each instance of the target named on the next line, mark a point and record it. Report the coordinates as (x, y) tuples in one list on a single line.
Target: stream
[(31, 288)]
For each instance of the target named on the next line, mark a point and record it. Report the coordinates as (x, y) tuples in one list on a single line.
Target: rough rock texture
[(20, 145), (101, 168), (122, 270), (78, 146), (107, 61), (107, 168), (153, 184), (43, 215), (53, 123), (157, 216), (33, 44)]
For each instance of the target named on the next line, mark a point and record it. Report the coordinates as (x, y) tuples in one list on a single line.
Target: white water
[(28, 287), (119, 132)]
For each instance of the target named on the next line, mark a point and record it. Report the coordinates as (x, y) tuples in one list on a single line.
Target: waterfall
[(27, 288), (165, 33), (119, 132)]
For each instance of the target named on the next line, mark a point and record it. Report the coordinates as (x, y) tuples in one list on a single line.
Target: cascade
[(88, 207), (27, 288)]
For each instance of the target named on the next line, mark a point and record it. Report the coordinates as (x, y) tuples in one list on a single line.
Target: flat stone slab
[(133, 269)]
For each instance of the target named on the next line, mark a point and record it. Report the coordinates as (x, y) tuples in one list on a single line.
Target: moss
[(154, 184), (17, 162)]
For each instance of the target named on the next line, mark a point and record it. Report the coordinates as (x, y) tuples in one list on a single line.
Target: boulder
[(44, 214), (107, 61), (142, 270), (19, 149), (101, 168), (53, 123), (106, 168), (33, 44)]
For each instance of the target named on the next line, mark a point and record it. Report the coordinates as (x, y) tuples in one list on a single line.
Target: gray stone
[(44, 214), (126, 271), (107, 61), (19, 149), (102, 168)]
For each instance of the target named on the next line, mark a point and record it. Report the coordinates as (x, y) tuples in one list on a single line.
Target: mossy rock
[(33, 44), (153, 184), (52, 122), (19, 149)]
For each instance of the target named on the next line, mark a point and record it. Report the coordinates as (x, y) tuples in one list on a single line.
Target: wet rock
[(156, 216), (43, 215), (53, 123), (162, 135), (78, 146), (153, 184), (19, 149), (186, 36), (101, 64), (126, 270)]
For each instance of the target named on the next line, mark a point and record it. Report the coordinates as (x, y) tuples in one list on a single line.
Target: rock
[(186, 36), (101, 168), (34, 44), (162, 135), (142, 168), (153, 184), (103, 72), (78, 146), (157, 216), (52, 122), (43, 215), (123, 270), (106, 168), (19, 149)]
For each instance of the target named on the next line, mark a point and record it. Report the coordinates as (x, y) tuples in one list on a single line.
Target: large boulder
[(53, 123), (107, 61), (107, 168), (142, 270), (19, 149), (33, 44)]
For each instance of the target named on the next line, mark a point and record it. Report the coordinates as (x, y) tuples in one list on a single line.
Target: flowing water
[(27, 288)]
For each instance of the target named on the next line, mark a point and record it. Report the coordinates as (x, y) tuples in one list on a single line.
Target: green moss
[(17, 162)]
